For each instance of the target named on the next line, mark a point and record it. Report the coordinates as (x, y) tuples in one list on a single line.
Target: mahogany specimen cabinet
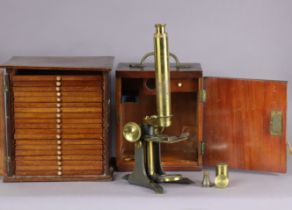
[(241, 122), (57, 119)]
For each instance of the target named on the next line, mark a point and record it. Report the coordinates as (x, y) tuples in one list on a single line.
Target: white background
[(230, 38)]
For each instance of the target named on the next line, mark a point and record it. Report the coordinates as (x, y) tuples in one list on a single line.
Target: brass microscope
[(148, 137)]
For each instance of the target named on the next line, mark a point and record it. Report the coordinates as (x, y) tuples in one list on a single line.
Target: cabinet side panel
[(237, 120), (106, 123), (2, 129)]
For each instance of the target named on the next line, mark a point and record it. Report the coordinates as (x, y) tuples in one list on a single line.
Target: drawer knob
[(58, 94), (59, 99), (59, 110), (58, 115), (59, 163), (59, 152), (58, 126), (59, 173), (59, 158), (58, 78), (179, 84), (59, 142), (58, 120), (58, 89), (59, 147), (58, 136), (60, 168), (58, 84), (58, 105)]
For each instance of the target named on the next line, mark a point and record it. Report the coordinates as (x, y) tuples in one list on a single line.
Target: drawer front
[(58, 125), (183, 85), (176, 86), (56, 99)]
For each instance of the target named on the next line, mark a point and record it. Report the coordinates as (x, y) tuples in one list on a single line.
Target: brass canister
[(222, 176)]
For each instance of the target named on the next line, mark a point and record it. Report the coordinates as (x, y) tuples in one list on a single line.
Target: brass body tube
[(162, 76)]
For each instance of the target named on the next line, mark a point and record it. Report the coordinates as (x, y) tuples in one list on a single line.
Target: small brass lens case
[(206, 180), (132, 132), (222, 176)]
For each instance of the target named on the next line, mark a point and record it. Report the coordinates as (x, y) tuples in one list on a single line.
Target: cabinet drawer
[(64, 147), (57, 131), (82, 157), (183, 85), (53, 88), (77, 172), (82, 152), (176, 85), (37, 158), (19, 153), (56, 78), (54, 136), (52, 166), (35, 172), (31, 147), (54, 83), (82, 167), (54, 158), (59, 110), (62, 121), (89, 164), (35, 163), (54, 142), (62, 116), (36, 167), (55, 99), (96, 93), (53, 126), (55, 105)]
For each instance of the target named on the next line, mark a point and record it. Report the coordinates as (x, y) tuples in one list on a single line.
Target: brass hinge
[(289, 147), (203, 147), (5, 89), (276, 123), (8, 166), (203, 96), (5, 79)]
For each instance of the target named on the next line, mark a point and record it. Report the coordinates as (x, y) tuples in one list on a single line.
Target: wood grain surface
[(237, 117), (100, 63)]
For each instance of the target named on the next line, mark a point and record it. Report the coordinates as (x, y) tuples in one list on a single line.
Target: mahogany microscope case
[(241, 122)]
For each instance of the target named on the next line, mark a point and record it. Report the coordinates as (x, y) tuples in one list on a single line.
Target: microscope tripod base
[(171, 178), (139, 176), (144, 182)]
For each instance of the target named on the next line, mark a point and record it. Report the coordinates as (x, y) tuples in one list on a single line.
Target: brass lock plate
[(276, 123)]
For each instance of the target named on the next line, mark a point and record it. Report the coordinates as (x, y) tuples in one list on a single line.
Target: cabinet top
[(150, 67), (100, 63), (135, 70)]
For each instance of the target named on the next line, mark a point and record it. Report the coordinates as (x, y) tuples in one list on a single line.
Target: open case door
[(245, 124)]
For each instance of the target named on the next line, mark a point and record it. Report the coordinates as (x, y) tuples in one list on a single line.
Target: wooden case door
[(237, 124)]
